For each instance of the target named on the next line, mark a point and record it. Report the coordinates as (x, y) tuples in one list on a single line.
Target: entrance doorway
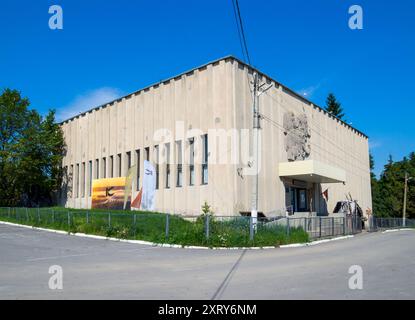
[(298, 199)]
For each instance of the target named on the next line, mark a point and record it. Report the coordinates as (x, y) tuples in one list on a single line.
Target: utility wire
[(242, 43), (298, 138), (241, 30), (325, 137)]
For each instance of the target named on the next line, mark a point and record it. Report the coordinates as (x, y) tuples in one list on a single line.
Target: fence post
[(38, 214), (251, 228), (87, 217), (319, 228), (27, 215), (8, 213), (332, 226), (69, 220), (53, 216), (369, 220), (167, 225), (109, 219), (354, 224), (344, 226), (135, 225), (207, 226), (288, 226)]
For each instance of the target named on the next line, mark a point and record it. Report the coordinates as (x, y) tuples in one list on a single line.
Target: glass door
[(301, 200)]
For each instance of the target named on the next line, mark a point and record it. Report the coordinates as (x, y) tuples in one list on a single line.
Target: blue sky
[(110, 48)]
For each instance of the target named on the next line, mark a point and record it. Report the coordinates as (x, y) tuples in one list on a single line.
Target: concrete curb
[(314, 243), (175, 246), (397, 230)]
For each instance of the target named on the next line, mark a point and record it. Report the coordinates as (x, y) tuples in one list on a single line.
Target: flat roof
[(215, 62)]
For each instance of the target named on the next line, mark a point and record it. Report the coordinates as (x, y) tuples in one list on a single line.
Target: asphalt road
[(99, 269)]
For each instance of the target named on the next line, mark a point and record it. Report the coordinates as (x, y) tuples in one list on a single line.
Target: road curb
[(397, 230), (175, 246), (314, 243)]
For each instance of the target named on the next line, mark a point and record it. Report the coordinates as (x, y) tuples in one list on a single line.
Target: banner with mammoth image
[(108, 193), (113, 193)]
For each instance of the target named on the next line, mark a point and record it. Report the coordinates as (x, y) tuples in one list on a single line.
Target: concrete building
[(304, 150)]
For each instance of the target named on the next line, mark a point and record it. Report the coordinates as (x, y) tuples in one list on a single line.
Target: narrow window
[(71, 182), (192, 162), (104, 168), (111, 173), (97, 169), (156, 157), (119, 172), (77, 182), (128, 160), (65, 182), (147, 154), (205, 159), (83, 180), (90, 178), (137, 162), (179, 178), (168, 165)]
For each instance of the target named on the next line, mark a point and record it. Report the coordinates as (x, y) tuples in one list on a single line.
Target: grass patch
[(150, 226)]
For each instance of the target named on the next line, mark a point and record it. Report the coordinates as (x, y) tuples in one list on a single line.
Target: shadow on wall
[(66, 188)]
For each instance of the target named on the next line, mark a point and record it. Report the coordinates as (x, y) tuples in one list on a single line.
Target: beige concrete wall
[(201, 99), (332, 142), (216, 96)]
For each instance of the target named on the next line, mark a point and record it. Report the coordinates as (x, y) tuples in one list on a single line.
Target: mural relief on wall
[(297, 137)]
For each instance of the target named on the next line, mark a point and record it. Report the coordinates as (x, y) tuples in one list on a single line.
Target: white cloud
[(309, 91), (87, 101), (373, 144)]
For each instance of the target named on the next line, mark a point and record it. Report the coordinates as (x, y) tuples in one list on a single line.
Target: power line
[(241, 30), (256, 118), (318, 133), (298, 138)]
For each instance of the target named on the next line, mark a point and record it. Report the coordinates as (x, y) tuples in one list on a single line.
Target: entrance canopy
[(312, 171)]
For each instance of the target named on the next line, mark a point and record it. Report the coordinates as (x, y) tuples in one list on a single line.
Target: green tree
[(334, 107), (372, 166), (13, 115), (377, 201), (388, 190), (31, 151)]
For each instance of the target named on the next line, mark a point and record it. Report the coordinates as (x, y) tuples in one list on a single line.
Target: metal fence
[(379, 223), (165, 228), (324, 227)]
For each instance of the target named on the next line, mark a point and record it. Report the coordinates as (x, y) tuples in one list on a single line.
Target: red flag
[(326, 195), (137, 201)]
